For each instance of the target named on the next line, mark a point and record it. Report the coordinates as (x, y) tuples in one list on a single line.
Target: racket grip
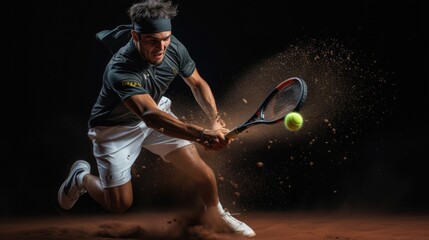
[(232, 134)]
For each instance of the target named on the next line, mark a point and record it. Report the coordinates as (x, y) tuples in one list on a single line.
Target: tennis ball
[(293, 121)]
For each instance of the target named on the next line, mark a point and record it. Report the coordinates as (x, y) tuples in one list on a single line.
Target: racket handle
[(232, 134)]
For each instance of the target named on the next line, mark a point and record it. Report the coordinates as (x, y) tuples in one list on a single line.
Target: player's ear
[(135, 35)]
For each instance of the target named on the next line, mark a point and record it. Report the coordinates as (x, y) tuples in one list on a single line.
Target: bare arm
[(146, 108), (204, 96)]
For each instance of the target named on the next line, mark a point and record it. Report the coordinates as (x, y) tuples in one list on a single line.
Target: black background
[(366, 153)]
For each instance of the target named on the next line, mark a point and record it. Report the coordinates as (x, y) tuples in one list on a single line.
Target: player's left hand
[(218, 123)]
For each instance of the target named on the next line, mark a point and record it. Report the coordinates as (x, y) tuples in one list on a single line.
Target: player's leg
[(184, 155), (188, 160), (115, 149), (115, 199)]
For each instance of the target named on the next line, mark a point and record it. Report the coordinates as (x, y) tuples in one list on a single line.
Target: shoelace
[(76, 196), (235, 224)]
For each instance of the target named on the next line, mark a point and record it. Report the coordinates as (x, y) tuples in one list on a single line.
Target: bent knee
[(119, 206), (204, 177), (118, 199)]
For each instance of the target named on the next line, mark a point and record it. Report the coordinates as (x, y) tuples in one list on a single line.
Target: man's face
[(153, 46)]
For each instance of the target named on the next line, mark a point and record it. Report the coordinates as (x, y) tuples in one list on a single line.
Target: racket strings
[(283, 102)]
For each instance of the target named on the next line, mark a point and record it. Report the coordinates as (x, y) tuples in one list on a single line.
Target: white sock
[(220, 208)]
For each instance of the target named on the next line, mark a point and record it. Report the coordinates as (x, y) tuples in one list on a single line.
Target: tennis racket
[(286, 97)]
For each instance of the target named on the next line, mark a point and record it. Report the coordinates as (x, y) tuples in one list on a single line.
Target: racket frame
[(258, 116)]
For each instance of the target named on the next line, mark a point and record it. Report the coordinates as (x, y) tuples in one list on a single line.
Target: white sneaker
[(72, 188), (237, 226)]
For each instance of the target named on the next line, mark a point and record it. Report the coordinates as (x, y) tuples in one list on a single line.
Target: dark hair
[(152, 9)]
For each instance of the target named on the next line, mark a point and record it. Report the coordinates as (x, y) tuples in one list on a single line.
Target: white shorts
[(117, 147)]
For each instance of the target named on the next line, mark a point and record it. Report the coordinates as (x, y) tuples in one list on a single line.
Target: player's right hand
[(214, 139)]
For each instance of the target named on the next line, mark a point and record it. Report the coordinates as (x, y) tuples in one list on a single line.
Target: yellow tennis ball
[(293, 121)]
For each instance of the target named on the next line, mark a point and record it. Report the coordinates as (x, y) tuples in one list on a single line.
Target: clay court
[(181, 226)]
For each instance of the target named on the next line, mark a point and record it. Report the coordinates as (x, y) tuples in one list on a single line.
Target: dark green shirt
[(127, 74)]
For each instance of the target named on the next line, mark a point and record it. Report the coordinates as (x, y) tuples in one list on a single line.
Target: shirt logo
[(145, 75), (130, 84)]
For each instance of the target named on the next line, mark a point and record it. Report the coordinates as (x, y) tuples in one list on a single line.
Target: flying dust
[(346, 97)]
